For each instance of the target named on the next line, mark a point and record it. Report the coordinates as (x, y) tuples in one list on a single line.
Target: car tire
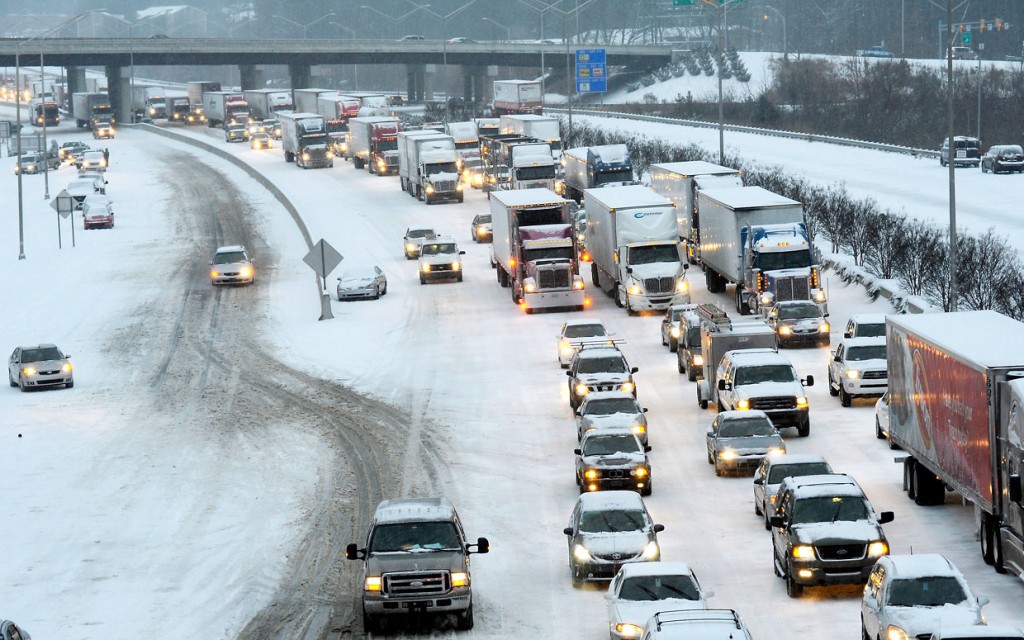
[(664, 342), (711, 458), (577, 580), (718, 470), (458, 278), (832, 390), (878, 430), (673, 345), (845, 398), (376, 295), (680, 366), (423, 280), (21, 384), (647, 490), (767, 523), (793, 589), (370, 623), (863, 630), (803, 429), (9, 377), (464, 620), (757, 509)]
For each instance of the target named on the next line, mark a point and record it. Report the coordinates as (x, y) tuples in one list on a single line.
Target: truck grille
[(554, 278), (875, 375), (767, 404), (391, 161), (444, 186), (792, 288), (613, 386), (855, 551), (434, 268), (660, 285), (417, 583)]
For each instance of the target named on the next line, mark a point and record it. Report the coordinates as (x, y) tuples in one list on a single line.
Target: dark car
[(876, 52), (613, 459), (608, 529), (967, 153), (1003, 157)]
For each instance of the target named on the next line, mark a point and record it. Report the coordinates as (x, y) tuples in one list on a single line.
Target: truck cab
[(439, 177)]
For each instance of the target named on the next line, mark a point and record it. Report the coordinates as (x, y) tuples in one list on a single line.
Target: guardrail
[(793, 135)]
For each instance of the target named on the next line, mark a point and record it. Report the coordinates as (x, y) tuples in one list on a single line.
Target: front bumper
[(456, 600), (357, 294), (657, 302), (554, 299), (788, 417), (747, 462), (862, 387), (232, 278), (599, 570), (816, 573), (48, 379)]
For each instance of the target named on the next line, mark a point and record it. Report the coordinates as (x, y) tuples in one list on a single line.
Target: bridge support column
[(488, 83), (415, 79), (474, 83), (120, 92), (251, 77), (76, 80), (301, 75), (429, 81)]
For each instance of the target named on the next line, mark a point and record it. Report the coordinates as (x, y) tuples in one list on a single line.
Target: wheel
[(793, 590), (909, 471), (577, 579), (878, 430), (618, 297), (370, 623), (376, 294), (21, 384), (385, 291), (594, 275), (462, 197), (757, 509), (711, 458), (832, 391), (845, 398), (988, 538), (647, 490), (718, 470), (459, 278), (13, 383), (663, 341), (423, 280), (691, 373), (673, 345), (804, 428), (863, 631), (464, 621), (701, 401)]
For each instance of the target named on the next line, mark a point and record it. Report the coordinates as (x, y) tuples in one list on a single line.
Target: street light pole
[(508, 32), (17, 132), (785, 43), (444, 45)]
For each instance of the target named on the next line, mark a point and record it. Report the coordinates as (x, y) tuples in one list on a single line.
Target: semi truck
[(680, 182), (178, 109), (304, 140), (496, 157), (91, 108), (633, 244), (373, 142), (756, 240), (305, 99), (196, 89), (427, 166), (956, 406), (516, 96), (531, 166), (45, 112), (535, 251), (225, 107), (265, 103), (719, 334), (337, 110), (543, 128), (593, 167), (148, 102), (371, 103)]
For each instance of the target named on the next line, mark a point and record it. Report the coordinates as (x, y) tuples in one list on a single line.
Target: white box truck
[(428, 166), (516, 96), (543, 128), (633, 243)]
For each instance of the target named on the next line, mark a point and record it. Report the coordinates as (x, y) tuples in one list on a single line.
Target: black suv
[(968, 152), (1003, 157), (598, 368), (824, 532)]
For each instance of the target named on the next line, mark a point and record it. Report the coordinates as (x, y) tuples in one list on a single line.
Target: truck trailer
[(680, 182), (544, 128), (91, 108), (265, 103), (593, 167), (632, 240), (373, 142), (225, 107), (956, 406), (148, 102), (756, 240), (534, 248), (305, 99), (516, 96), (304, 140)]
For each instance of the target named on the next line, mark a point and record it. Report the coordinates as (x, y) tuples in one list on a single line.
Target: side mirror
[(983, 600), (646, 409), (339, 279), (722, 385), (578, 452), (353, 552), (710, 432), (825, 314), (777, 521), (708, 593), (567, 531), (568, 373), (462, 253), (211, 262), (658, 528), (848, 334), (647, 448), (482, 545), (634, 370), (686, 265), (759, 481), (809, 381), (886, 517)]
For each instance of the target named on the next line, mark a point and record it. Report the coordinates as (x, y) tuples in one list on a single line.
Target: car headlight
[(674, 332), (460, 579), (803, 552), (698, 360), (425, 267), (742, 405), (627, 630), (305, 156), (591, 474), (892, 632), (628, 387), (372, 583), (824, 328), (682, 286), (638, 429), (246, 272), (566, 349), (29, 371), (66, 367), (801, 402), (214, 273), (456, 266), (652, 551), (776, 451), (640, 472), (785, 331), (852, 374), (581, 389), (727, 454), (410, 247), (429, 188), (581, 554), (878, 548)]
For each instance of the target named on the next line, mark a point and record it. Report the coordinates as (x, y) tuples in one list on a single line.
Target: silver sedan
[(360, 283), (42, 365)]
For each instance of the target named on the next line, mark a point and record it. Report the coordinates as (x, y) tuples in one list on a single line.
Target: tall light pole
[(393, 19), (508, 32), (304, 27), (543, 67), (785, 43), (444, 45)]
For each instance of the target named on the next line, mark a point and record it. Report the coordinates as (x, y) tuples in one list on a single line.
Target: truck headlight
[(628, 387), (801, 402), (727, 454), (456, 265), (878, 548), (682, 286), (824, 328), (372, 583), (458, 186), (429, 188), (785, 330), (627, 630), (425, 267), (591, 474), (803, 552), (674, 332), (460, 579), (410, 247), (698, 360), (566, 349), (530, 287), (577, 283), (581, 554), (634, 289), (819, 296), (742, 405), (330, 155), (305, 156), (852, 374), (582, 389), (892, 632), (652, 551)]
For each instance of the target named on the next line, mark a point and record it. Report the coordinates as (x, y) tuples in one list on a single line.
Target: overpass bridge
[(478, 61)]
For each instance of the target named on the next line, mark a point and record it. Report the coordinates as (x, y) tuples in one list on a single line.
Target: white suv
[(440, 259), (858, 368)]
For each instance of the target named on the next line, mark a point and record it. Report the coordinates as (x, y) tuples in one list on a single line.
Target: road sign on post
[(591, 71), (323, 258), (965, 37), (64, 204)]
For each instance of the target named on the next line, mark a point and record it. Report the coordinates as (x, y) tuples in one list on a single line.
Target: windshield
[(420, 233), (41, 354), (933, 591), (764, 373), (549, 253), (653, 253), (535, 173), (440, 167), (606, 445), (800, 310), (780, 471), (874, 352), (414, 536), (612, 405), (783, 260), (610, 364), (745, 428), (435, 249), (621, 175), (829, 509), (613, 521), (650, 588), (870, 330), (389, 144), (229, 257), (585, 331), (483, 219)]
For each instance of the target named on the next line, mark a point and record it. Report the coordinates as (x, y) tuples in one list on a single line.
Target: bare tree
[(890, 242)]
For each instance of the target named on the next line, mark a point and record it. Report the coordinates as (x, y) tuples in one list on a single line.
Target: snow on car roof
[(796, 458), (230, 247), (583, 323), (631, 197), (739, 415), (981, 337), (414, 509), (868, 318), (604, 395), (601, 500), (864, 342), (921, 565), (747, 357), (824, 485), (676, 568), (598, 350)]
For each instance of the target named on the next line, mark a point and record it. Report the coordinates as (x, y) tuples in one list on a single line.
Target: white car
[(972, 632), (913, 596), (232, 265), (858, 367), (359, 283), (576, 332), (865, 325), (440, 259), (40, 366), (640, 590), (97, 212), (882, 420), (413, 240), (702, 624)]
